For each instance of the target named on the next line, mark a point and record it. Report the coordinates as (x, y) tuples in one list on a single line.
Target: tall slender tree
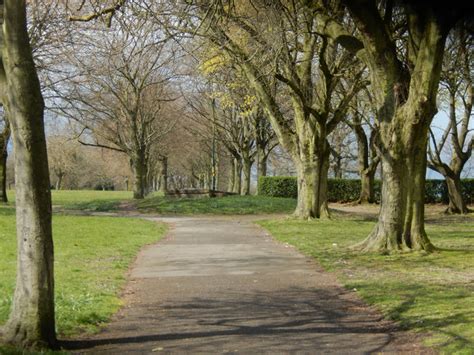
[(31, 322)]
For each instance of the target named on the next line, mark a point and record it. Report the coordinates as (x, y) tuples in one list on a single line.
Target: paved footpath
[(223, 285)]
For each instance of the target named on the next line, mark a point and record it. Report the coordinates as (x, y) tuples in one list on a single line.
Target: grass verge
[(425, 293), (228, 205), (92, 255)]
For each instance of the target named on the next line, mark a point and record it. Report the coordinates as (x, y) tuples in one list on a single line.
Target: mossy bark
[(313, 187), (405, 97), (32, 322)]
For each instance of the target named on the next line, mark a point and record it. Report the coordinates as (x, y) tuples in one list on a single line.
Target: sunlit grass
[(432, 293), (92, 255), (219, 205), (84, 199)]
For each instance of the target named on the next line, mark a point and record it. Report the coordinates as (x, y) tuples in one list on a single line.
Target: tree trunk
[(312, 186), (237, 175), (3, 168), (457, 205), (164, 175), (140, 176), (59, 181), (400, 224), (261, 166), (231, 180), (31, 323), (367, 192), (247, 170)]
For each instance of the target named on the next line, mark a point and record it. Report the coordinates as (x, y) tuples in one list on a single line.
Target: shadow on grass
[(6, 210)]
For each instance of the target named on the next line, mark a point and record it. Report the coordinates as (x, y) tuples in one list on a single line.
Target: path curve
[(223, 285)]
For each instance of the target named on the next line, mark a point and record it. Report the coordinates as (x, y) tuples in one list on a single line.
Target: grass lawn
[(90, 200), (92, 255), (227, 205), (426, 293)]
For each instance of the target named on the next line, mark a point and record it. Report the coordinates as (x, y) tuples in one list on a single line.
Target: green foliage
[(468, 191), (431, 293), (219, 205), (92, 255), (345, 190), (278, 186)]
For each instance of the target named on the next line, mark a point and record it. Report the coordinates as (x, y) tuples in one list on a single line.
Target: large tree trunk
[(31, 322), (237, 175), (456, 202), (400, 223), (247, 170), (405, 96), (313, 186)]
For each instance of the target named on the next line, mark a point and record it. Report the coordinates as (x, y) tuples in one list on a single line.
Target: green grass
[(92, 255), (432, 293), (228, 205), (84, 200)]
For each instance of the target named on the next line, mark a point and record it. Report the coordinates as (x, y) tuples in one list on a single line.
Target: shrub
[(345, 190), (278, 186)]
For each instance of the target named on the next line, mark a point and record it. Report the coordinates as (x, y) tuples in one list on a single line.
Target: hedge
[(345, 190)]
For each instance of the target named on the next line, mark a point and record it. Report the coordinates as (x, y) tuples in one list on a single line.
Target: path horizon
[(224, 285)]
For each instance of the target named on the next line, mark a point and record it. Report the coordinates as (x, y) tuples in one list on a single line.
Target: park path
[(223, 285)]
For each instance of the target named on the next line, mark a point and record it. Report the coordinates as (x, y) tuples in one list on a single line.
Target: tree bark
[(231, 179), (164, 175), (31, 323), (312, 187), (262, 164), (367, 191), (247, 170), (457, 205), (400, 224), (237, 175), (140, 176), (405, 96)]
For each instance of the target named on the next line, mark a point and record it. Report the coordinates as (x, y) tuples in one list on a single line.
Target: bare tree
[(457, 85), (120, 94)]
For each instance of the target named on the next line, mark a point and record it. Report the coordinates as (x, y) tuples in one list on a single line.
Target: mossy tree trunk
[(32, 322), (405, 97)]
